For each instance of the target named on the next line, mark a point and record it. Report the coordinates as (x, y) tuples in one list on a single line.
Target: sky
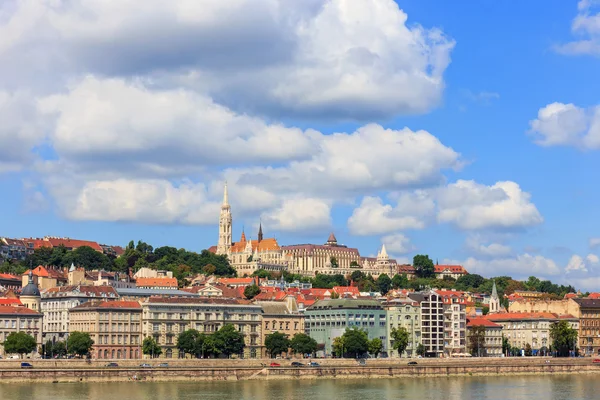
[(468, 131)]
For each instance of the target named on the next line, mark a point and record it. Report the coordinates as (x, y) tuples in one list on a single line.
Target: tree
[(338, 346), (421, 350), (59, 349), (301, 343), (375, 346), (505, 345), (357, 276), (151, 348), (469, 281), (262, 273), (400, 281), (187, 342), (383, 283), (400, 339), (229, 341), (334, 262), (564, 338), (251, 291), (354, 264), (20, 343), (477, 340), (528, 351), (356, 342), (79, 343), (423, 265), (277, 343)]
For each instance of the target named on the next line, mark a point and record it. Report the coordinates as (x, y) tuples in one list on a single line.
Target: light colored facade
[(455, 322), (19, 319), (432, 321), (405, 313), (57, 302), (114, 326), (492, 344), (449, 271), (589, 326), (164, 318), (560, 307), (146, 272), (280, 316), (327, 319)]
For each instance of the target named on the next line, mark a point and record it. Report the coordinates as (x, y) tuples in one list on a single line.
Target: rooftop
[(329, 304)]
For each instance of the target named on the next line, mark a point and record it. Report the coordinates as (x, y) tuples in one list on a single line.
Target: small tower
[(260, 232), (243, 238), (331, 241), (225, 221), (494, 300), (30, 295)]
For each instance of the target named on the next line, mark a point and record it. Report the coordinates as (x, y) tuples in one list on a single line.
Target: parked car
[(314, 364), (412, 363), (596, 361), (112, 365), (26, 365), (163, 365), (274, 364), (297, 364), (145, 365)]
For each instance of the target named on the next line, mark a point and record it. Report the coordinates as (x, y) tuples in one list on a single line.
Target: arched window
[(169, 353), (105, 353), (119, 354), (112, 354)]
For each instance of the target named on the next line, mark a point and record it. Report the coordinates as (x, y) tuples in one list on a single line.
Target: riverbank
[(236, 370)]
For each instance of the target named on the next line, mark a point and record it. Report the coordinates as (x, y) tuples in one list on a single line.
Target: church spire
[(225, 222), (260, 232), (225, 197), (243, 238)]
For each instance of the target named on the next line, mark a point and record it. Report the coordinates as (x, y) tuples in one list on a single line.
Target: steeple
[(225, 197), (494, 291), (243, 238), (331, 240), (260, 232), (383, 252), (494, 305), (225, 223)]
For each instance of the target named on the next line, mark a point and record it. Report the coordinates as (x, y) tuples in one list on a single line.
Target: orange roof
[(482, 322), (10, 301), (571, 295), (73, 243), (9, 276), (153, 282), (236, 281), (272, 295), (17, 310), (520, 316), (346, 289), (38, 271), (264, 245), (593, 296), (456, 269)]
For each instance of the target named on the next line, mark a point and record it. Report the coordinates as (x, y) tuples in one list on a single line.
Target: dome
[(31, 288)]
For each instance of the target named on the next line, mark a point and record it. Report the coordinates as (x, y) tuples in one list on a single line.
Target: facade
[(10, 282), (146, 272), (46, 277), (282, 317), (164, 318), (19, 319), (589, 326), (449, 271), (455, 321), (30, 295), (13, 249), (494, 303), (56, 303), (492, 343), (114, 326), (432, 321), (404, 313), (156, 283), (327, 319)]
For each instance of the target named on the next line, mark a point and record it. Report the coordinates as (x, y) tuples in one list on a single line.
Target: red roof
[(236, 281), (346, 289), (4, 301), (212, 249), (9, 276), (593, 296), (520, 316), (156, 282), (73, 243), (482, 322), (17, 310), (571, 295), (455, 269)]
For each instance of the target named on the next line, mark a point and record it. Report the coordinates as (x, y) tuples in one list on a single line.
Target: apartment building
[(403, 313), (455, 321), (280, 316), (492, 342), (432, 321), (589, 326), (19, 319)]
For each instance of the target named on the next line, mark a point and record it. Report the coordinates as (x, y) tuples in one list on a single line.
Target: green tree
[(251, 291), (375, 346), (262, 273), (564, 338), (528, 351), (338, 346), (277, 343), (229, 341), (334, 262), (301, 343), (187, 342), (423, 265), (354, 264), (150, 347), (505, 345), (400, 281), (383, 283), (87, 258), (357, 276), (19, 343), (400, 337), (356, 342), (469, 281), (79, 343), (477, 340), (421, 350), (60, 349)]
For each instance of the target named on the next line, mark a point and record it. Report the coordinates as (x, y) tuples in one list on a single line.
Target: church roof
[(331, 238), (264, 245)]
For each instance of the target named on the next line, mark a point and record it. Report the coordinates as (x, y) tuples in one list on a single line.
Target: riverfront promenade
[(189, 370)]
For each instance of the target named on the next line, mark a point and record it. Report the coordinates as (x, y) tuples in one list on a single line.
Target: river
[(546, 387)]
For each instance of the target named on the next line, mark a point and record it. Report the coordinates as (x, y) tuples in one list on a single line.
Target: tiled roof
[(114, 304), (81, 291), (156, 282), (264, 245), (73, 243), (10, 276), (196, 300), (17, 310), (508, 316), (310, 248), (236, 281), (212, 249), (346, 289), (274, 307), (482, 322), (456, 269), (10, 301)]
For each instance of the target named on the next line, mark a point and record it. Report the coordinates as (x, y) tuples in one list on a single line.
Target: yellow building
[(280, 316), (20, 319)]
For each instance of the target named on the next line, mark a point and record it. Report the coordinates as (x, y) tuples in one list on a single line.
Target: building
[(13, 249), (137, 293), (589, 326), (114, 326), (56, 303), (455, 321), (164, 318), (327, 319), (30, 295), (107, 278), (432, 321), (403, 313), (146, 272), (10, 282), (46, 277), (282, 317), (449, 271), (494, 304), (528, 294), (492, 341), (156, 283), (19, 319)]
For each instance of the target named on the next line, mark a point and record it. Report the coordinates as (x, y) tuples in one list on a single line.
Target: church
[(331, 258)]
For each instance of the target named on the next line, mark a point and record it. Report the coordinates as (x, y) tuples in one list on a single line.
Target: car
[(362, 361), (163, 365), (596, 361), (297, 364), (412, 363), (274, 364), (26, 365), (145, 365), (313, 364), (112, 365)]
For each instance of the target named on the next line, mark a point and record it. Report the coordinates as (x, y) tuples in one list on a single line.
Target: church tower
[(494, 301), (225, 222)]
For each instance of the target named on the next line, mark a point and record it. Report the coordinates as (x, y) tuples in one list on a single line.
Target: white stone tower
[(225, 222), (494, 300)]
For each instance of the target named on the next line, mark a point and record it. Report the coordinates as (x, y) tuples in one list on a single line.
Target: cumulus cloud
[(476, 245), (397, 244), (594, 242), (299, 214), (519, 267), (326, 58), (586, 25), (471, 205), (561, 124)]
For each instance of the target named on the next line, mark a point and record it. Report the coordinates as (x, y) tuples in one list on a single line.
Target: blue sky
[(468, 131)]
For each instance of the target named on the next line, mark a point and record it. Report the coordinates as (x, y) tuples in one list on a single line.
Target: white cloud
[(471, 205), (300, 214), (474, 243), (397, 243), (594, 242), (373, 217), (518, 267), (587, 26), (327, 58), (567, 125)]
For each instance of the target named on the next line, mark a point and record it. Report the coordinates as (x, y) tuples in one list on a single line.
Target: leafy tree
[(150, 347), (209, 269), (301, 343), (335, 295), (59, 349), (354, 264), (400, 337), (334, 262), (251, 291), (477, 340), (262, 273), (20, 343), (357, 276), (79, 343), (356, 342), (229, 341), (564, 338), (505, 345), (528, 351), (383, 283), (187, 342), (469, 281), (338, 346), (399, 281), (421, 350), (423, 265), (277, 343), (375, 346)]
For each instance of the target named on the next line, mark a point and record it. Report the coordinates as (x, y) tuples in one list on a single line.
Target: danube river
[(571, 387)]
